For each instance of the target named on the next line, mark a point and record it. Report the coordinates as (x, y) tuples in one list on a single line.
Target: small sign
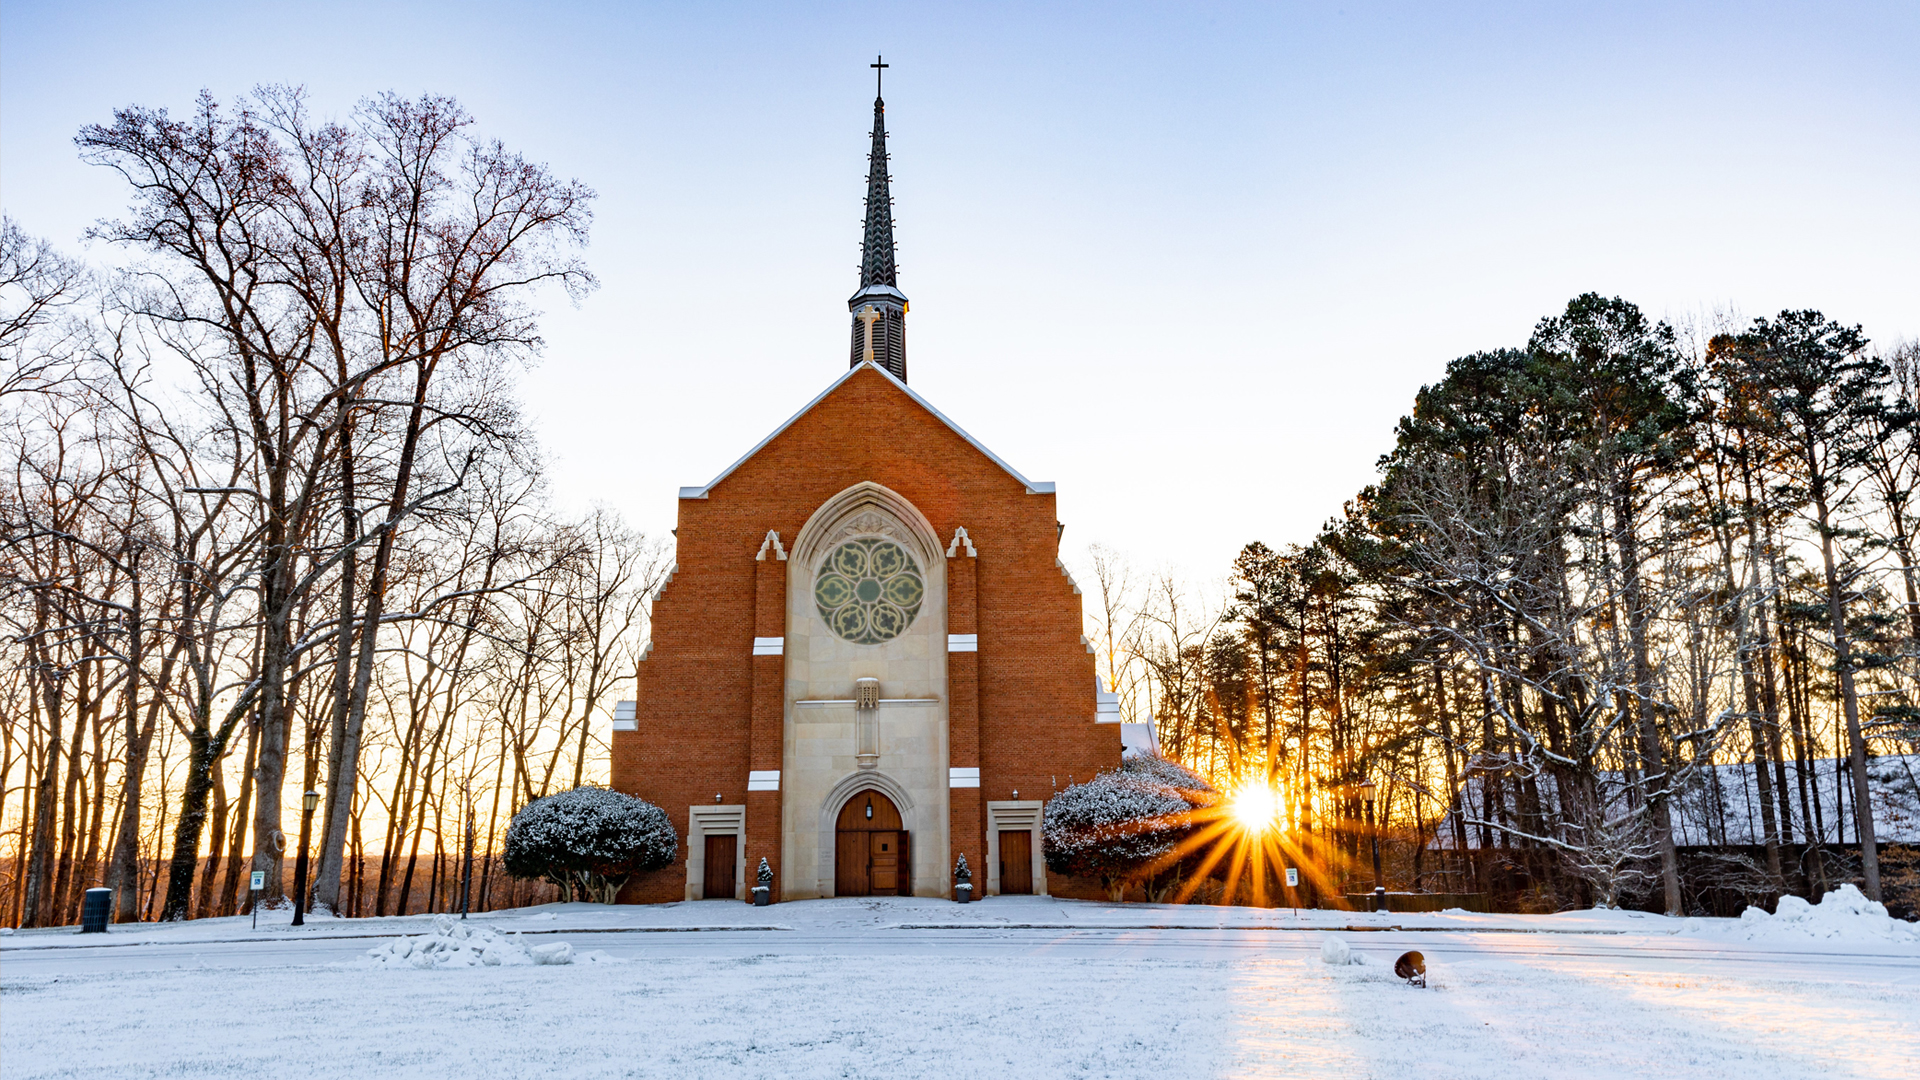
[(1293, 878), (260, 880)]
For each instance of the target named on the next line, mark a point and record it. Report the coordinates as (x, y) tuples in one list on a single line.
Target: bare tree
[(39, 287)]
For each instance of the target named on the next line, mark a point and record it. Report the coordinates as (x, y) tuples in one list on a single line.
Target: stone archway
[(872, 849)]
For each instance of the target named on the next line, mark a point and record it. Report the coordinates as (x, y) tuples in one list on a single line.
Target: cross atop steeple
[(880, 337)]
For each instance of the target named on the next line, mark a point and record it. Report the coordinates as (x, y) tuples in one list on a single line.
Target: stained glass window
[(868, 591)]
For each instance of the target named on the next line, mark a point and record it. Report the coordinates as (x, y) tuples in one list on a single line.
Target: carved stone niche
[(866, 704)]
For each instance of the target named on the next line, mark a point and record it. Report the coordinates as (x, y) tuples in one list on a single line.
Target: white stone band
[(958, 778), (963, 642), (769, 646), (763, 780)]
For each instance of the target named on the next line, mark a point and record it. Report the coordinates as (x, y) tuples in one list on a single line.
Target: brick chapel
[(869, 659)]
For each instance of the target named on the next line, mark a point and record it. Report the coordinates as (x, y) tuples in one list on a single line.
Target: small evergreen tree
[(589, 841)]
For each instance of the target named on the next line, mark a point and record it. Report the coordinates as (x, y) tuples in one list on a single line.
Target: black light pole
[(1379, 890), (307, 802), (466, 872)]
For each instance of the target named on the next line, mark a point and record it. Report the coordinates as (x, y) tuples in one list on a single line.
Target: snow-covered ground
[(1013, 986)]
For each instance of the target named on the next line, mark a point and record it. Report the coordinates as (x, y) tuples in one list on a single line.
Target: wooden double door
[(872, 851)]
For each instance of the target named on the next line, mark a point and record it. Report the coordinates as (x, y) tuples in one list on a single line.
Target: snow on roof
[(1721, 804), (1042, 487)]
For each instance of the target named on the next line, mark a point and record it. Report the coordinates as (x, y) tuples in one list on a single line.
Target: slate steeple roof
[(876, 246)]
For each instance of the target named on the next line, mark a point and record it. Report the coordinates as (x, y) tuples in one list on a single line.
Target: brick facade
[(709, 711)]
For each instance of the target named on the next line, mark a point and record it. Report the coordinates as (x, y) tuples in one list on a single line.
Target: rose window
[(869, 591)]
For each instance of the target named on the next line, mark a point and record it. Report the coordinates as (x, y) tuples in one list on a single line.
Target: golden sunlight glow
[(1255, 807)]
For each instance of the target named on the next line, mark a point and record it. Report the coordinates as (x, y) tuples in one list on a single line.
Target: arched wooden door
[(872, 853)]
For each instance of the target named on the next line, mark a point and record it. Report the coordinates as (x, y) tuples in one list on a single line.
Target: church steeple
[(879, 307)]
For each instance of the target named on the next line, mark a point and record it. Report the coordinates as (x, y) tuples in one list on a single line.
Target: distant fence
[(1405, 901)]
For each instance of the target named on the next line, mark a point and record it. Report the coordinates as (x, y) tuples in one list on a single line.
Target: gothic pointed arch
[(868, 509), (913, 817)]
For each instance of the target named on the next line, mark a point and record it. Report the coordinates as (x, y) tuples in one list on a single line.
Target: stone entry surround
[(1010, 814), (716, 820), (833, 747)]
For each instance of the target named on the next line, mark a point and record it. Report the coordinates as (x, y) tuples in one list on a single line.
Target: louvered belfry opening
[(879, 307), (889, 339)]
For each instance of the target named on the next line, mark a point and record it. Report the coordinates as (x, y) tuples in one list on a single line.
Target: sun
[(1255, 807)]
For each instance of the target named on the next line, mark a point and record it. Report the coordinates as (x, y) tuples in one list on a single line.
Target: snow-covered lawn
[(1023, 987)]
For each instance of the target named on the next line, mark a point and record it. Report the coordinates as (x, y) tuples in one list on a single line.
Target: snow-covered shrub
[(589, 841), (1122, 825)]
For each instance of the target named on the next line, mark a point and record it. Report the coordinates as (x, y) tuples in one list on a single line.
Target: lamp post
[(466, 870), (1367, 789), (307, 803)]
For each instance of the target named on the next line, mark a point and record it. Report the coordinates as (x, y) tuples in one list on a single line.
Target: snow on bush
[(589, 841), (454, 944), (1168, 774), (1843, 914), (1120, 824)]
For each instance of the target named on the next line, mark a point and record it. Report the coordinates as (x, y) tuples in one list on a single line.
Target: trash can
[(96, 910)]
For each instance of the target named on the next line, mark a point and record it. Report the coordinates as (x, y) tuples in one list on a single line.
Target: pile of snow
[(1337, 952), (1845, 914), (454, 944)]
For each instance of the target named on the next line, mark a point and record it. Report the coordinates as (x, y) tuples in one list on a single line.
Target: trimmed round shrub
[(589, 841), (1122, 825)]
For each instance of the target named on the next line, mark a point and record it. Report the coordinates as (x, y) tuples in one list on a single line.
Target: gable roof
[(1043, 487)]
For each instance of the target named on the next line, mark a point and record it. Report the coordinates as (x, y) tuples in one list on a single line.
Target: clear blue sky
[(1190, 261)]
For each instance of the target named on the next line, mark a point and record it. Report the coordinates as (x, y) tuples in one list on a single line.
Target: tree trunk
[(36, 910), (1651, 752), (124, 874), (276, 647), (1750, 693), (240, 818), (1849, 700), (63, 890), (343, 742), (97, 805), (208, 895), (202, 759), (344, 762)]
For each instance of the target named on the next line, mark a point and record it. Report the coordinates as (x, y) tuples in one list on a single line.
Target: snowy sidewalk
[(1843, 915)]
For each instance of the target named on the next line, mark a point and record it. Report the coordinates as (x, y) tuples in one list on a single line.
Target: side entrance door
[(1016, 862), (721, 852)]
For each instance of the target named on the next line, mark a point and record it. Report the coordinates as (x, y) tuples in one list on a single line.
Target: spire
[(879, 308), (876, 247)]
